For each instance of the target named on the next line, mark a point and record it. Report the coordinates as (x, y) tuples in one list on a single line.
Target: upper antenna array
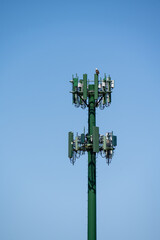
[(102, 91)]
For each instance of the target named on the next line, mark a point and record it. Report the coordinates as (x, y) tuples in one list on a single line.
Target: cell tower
[(92, 94)]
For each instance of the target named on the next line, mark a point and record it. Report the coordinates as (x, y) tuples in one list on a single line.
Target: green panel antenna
[(85, 86), (70, 144), (114, 140), (95, 139), (104, 143), (95, 86), (75, 82)]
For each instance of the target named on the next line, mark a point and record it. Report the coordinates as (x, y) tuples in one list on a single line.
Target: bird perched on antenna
[(97, 71)]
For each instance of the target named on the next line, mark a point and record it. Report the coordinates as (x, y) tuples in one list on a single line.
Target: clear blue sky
[(42, 43)]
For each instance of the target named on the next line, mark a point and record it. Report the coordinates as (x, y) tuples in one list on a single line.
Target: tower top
[(102, 90)]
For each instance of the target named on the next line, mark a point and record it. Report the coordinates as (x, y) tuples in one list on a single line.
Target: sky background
[(42, 43)]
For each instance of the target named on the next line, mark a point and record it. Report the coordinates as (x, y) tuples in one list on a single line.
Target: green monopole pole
[(92, 96), (91, 170)]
